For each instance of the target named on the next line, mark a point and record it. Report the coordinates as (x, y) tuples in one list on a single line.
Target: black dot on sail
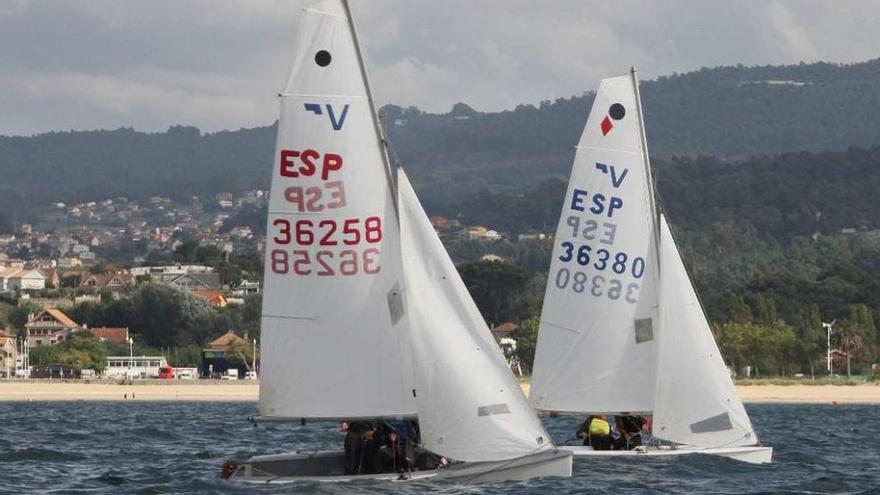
[(616, 111), (322, 58)]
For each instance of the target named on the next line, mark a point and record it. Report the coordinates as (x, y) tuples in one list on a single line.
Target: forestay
[(331, 326), (596, 343), (470, 407), (696, 401)]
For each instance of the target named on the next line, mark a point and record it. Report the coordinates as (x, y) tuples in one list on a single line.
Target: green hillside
[(728, 112)]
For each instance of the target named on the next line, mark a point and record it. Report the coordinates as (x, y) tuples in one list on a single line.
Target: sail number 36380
[(601, 260), (597, 285)]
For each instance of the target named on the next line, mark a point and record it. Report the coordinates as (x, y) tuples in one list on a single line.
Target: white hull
[(326, 467), (751, 454)]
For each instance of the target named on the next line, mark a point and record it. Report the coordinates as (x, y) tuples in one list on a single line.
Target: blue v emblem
[(335, 121)]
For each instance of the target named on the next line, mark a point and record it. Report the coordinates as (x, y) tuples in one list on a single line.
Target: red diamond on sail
[(606, 126)]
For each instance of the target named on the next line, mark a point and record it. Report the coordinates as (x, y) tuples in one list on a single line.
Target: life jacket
[(599, 428)]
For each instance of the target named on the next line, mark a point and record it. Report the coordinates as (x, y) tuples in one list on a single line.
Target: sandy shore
[(197, 390), (803, 394), (215, 390)]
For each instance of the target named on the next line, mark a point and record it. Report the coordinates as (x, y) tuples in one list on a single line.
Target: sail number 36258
[(328, 232), (325, 263), (339, 243)]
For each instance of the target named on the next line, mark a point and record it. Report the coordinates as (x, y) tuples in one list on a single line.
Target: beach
[(241, 390), (150, 390)]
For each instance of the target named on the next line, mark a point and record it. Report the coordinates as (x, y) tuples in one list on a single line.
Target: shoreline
[(248, 391)]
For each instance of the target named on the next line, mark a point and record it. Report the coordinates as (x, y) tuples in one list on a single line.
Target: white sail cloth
[(696, 401), (470, 407), (332, 342), (596, 350)]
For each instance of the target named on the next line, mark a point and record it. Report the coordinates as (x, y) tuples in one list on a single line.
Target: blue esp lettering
[(577, 199), (601, 204)]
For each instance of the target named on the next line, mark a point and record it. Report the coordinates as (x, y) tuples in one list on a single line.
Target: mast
[(380, 131), (652, 194)]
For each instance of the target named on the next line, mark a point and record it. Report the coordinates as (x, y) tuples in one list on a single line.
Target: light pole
[(828, 328), (255, 358), (130, 355)]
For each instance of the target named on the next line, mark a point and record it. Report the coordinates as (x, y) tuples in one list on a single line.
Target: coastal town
[(94, 253)]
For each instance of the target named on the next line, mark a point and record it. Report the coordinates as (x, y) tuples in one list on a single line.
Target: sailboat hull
[(326, 466), (749, 454)]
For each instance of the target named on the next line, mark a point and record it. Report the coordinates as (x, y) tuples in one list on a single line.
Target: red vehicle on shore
[(166, 372)]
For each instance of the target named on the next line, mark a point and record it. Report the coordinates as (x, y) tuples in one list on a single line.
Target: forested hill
[(729, 112)]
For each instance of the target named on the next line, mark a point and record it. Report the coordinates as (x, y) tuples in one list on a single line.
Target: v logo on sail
[(316, 109), (609, 169)]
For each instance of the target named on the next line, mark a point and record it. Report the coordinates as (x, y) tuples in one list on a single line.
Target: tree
[(862, 316), (159, 315), (188, 356), (496, 287), (18, 316), (82, 350), (852, 341), (526, 337)]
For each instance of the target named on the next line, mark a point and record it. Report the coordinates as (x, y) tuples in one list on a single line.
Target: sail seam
[(286, 95), (579, 147), (290, 317)]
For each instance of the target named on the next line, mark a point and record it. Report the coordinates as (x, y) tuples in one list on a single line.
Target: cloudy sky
[(217, 64)]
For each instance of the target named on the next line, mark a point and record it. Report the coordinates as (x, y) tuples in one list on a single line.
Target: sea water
[(178, 447)]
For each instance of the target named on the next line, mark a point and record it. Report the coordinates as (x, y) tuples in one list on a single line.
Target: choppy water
[(145, 448)]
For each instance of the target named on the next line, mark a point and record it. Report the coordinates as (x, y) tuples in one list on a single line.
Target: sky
[(218, 64)]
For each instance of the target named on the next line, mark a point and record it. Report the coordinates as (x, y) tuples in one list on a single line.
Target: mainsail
[(470, 407), (696, 401), (332, 334), (596, 347), (622, 328)]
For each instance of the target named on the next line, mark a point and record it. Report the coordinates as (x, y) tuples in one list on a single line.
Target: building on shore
[(8, 353), (114, 335), (227, 352), (49, 327), (119, 367)]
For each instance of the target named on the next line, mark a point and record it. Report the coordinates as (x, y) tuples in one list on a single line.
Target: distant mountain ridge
[(727, 112)]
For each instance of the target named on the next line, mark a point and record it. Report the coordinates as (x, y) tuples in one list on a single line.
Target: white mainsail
[(696, 401), (649, 349), (596, 348), (333, 340), (470, 407)]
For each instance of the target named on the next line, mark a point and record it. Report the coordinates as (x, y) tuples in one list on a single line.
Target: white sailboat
[(622, 329), (364, 315)]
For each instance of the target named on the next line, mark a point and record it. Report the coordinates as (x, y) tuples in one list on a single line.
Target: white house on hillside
[(21, 279)]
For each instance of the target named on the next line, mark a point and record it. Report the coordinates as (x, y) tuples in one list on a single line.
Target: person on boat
[(354, 433), (425, 460), (630, 429), (596, 433), (369, 462), (392, 454)]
